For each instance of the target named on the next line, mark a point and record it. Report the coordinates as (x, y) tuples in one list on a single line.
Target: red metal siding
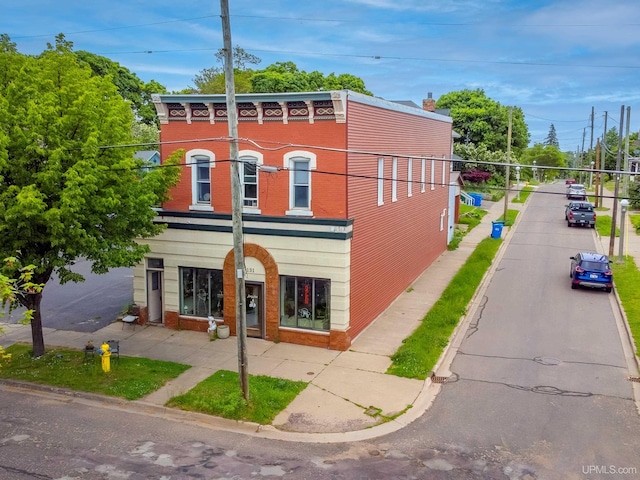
[(273, 140), (392, 243)]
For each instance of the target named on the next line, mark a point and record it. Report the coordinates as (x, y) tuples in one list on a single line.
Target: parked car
[(591, 270), (580, 213), (569, 181), (576, 191)]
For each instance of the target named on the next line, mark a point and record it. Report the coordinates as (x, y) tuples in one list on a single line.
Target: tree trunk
[(32, 302)]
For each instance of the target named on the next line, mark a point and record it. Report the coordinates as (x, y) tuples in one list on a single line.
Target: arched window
[(249, 178), (300, 165), (200, 162)]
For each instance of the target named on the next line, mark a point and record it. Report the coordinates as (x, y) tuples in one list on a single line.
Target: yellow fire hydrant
[(105, 351)]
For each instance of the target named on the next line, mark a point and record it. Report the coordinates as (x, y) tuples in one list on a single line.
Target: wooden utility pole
[(625, 175), (506, 174), (617, 187), (597, 172), (236, 202), (604, 154)]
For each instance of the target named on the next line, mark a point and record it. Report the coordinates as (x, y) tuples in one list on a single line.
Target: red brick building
[(346, 202)]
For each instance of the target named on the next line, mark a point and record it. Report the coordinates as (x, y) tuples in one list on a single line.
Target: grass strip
[(419, 352), (626, 278), (220, 395), (130, 378)]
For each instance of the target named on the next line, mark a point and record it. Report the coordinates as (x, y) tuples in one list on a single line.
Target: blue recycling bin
[(496, 230), (477, 199)]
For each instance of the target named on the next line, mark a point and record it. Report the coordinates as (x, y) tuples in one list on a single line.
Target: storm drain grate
[(634, 379), (437, 379)]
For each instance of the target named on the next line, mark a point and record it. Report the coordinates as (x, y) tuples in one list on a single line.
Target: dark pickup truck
[(580, 213)]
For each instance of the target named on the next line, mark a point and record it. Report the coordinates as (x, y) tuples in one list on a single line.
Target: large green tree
[(278, 77), (67, 188), (483, 121), (129, 85), (546, 157)]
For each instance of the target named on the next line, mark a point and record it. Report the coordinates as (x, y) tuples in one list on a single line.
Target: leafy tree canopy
[(278, 77), (483, 121), (480, 159), (67, 191), (128, 84), (545, 156)]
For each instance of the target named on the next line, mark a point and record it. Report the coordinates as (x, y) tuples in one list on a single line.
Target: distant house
[(347, 199), (152, 157)]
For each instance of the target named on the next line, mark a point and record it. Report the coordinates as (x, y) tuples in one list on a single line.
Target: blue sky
[(555, 59)]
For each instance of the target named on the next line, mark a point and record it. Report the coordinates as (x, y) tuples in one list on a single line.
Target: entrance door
[(154, 295), (255, 310)]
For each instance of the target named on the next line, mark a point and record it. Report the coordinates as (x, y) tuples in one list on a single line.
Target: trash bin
[(477, 199), (496, 231)]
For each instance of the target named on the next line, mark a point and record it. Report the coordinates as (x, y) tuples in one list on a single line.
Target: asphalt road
[(541, 376), (87, 306)]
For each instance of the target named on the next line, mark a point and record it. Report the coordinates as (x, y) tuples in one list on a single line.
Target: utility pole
[(625, 175), (617, 187), (584, 134), (236, 202), (591, 143), (597, 172), (506, 175), (604, 154)]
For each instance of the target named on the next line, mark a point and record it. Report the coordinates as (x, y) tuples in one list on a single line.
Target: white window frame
[(444, 172), (289, 162), (423, 177), (192, 163), (433, 174), (410, 177), (394, 179), (380, 181), (258, 159)]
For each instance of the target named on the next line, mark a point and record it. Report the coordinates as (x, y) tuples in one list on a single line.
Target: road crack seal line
[(544, 360), (474, 326), (545, 389)]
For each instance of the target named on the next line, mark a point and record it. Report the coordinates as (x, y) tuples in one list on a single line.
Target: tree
[(480, 159), (552, 138), (277, 77), (483, 121), (67, 190), (129, 85), (545, 156), (12, 288), (212, 80)]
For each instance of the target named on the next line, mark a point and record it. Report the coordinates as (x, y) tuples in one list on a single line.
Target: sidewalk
[(342, 385)]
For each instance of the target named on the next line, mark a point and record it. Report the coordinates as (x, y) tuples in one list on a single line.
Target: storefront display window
[(304, 303), (201, 292)]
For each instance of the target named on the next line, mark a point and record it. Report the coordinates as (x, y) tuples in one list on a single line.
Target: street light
[(518, 182), (624, 203), (535, 171), (591, 175)]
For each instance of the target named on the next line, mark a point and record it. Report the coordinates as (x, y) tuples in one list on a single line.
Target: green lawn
[(220, 395), (130, 378), (626, 278), (421, 350), (469, 218)]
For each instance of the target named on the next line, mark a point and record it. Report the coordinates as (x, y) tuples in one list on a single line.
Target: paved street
[(87, 306)]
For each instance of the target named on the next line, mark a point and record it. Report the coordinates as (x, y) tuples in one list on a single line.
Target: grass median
[(421, 350), (130, 378)]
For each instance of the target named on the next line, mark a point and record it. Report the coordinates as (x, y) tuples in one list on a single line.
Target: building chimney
[(429, 104)]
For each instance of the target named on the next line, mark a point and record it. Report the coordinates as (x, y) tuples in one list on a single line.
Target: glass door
[(255, 310)]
